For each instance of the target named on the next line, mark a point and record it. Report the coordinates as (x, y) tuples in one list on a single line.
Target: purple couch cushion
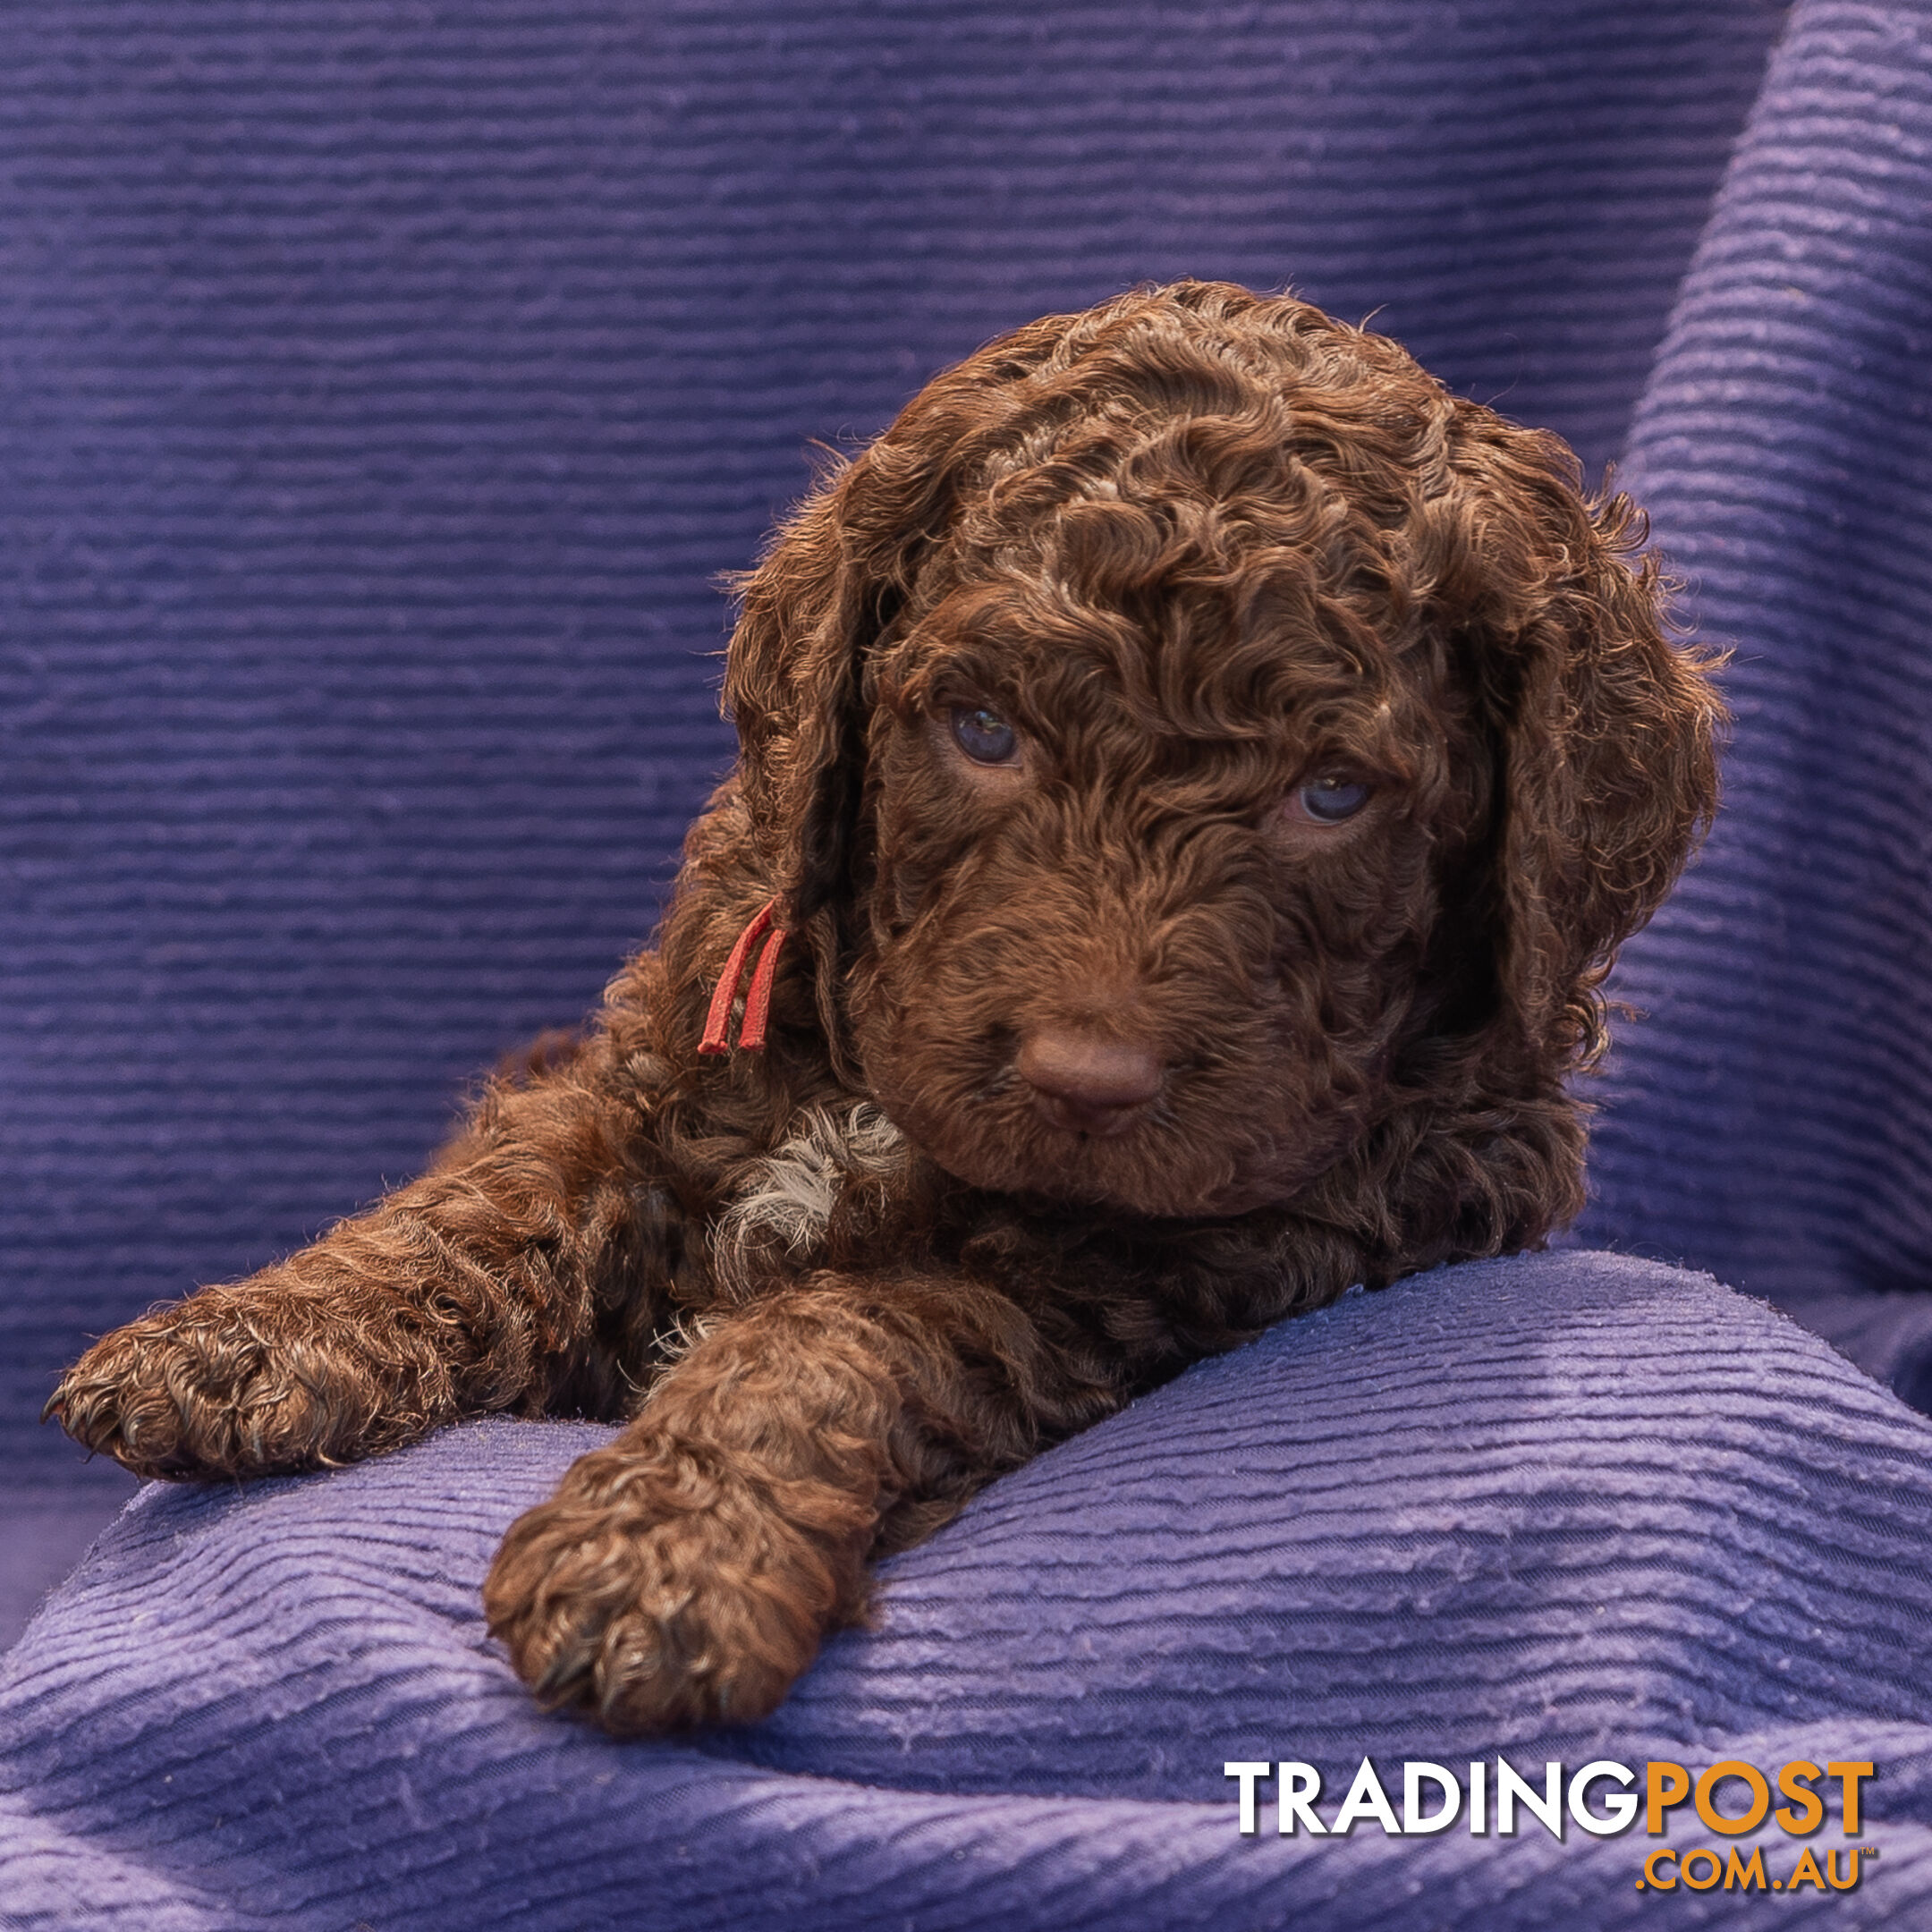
[(1568, 1506)]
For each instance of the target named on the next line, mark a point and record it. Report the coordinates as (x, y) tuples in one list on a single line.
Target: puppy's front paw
[(221, 1384), (660, 1588)]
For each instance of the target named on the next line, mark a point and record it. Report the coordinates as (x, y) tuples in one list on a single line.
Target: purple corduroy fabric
[(1773, 1116), (384, 394), (1566, 1507)]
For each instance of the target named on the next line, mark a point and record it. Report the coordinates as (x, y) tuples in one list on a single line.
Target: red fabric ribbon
[(758, 999)]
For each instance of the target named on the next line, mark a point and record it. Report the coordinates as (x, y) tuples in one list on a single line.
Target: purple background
[(385, 392)]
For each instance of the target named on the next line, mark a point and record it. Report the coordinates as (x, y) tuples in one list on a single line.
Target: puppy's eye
[(983, 734), (1331, 799)]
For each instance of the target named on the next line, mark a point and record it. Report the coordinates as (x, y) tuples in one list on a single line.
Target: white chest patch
[(792, 1191)]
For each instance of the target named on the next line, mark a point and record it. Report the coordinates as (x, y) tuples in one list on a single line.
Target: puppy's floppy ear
[(792, 686), (829, 587), (1605, 731)]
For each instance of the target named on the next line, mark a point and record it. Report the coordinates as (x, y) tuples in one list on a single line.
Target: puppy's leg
[(687, 1571), (471, 1290)]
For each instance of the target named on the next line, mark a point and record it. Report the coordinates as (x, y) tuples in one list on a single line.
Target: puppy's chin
[(1149, 1173)]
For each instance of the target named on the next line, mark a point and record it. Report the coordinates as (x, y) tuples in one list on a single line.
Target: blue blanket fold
[(1566, 1507)]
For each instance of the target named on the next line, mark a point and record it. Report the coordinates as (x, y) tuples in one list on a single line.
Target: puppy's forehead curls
[(1206, 761)]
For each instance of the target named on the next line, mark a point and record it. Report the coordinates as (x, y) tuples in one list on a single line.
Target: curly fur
[(1082, 1063)]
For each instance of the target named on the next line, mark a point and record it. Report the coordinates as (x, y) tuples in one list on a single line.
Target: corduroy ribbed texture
[(383, 392), (385, 388), (1567, 1507), (1772, 1118)]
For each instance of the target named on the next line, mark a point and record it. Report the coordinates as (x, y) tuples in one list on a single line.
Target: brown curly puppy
[(1194, 773)]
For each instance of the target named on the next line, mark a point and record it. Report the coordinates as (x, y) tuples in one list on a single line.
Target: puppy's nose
[(1084, 1084)]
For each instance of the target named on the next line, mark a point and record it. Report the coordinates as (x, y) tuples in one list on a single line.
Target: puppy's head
[(1208, 757)]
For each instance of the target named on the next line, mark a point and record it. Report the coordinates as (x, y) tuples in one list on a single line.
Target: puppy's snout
[(1086, 1084)]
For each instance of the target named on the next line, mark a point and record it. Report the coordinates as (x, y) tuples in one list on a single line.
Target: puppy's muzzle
[(1084, 1084)]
